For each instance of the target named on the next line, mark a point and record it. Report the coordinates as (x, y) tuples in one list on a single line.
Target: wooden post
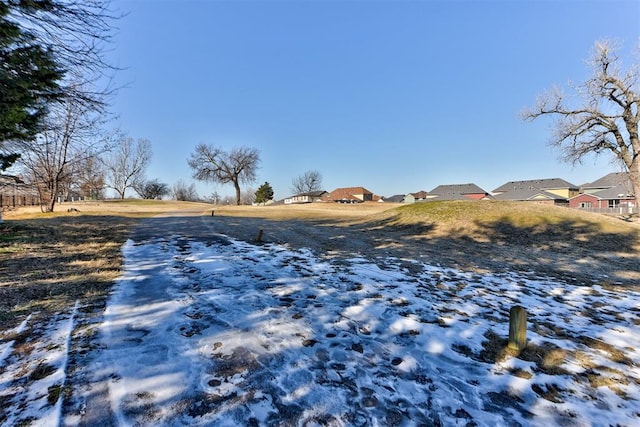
[(259, 238), (517, 328), (212, 211)]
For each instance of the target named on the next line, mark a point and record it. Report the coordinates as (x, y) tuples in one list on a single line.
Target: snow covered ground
[(229, 333)]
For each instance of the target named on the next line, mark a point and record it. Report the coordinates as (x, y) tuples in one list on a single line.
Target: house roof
[(318, 193), (614, 193), (353, 190), (10, 179), (613, 179), (397, 198), (347, 193), (535, 184), (420, 194), (617, 192), (526, 194), (456, 191)]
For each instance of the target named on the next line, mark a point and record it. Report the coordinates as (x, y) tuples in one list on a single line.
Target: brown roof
[(347, 193)]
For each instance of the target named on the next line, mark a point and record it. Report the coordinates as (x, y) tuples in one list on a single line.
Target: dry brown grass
[(312, 211), (127, 207), (476, 218), (51, 260)]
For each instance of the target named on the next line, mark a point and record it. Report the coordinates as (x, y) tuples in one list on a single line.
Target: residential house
[(309, 197), (458, 192), (612, 191), (551, 191), (15, 192), (420, 196), (350, 195), (533, 195)]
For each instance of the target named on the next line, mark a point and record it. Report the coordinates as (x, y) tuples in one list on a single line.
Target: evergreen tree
[(264, 193), (29, 78)]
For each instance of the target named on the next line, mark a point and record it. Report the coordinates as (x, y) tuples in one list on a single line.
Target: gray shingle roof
[(613, 179), (528, 195), (456, 191), (617, 192), (397, 198), (318, 193), (535, 184)]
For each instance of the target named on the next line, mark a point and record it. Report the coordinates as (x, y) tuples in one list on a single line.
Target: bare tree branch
[(127, 163), (213, 164), (55, 160), (603, 118), (78, 33), (307, 182)]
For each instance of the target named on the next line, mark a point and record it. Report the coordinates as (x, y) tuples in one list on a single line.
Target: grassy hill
[(513, 222)]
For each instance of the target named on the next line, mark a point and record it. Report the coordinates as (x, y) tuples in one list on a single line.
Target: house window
[(613, 203), (585, 205)]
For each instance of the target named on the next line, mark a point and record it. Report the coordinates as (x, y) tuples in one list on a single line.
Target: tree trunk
[(52, 196), (634, 177), (236, 184), (51, 204)]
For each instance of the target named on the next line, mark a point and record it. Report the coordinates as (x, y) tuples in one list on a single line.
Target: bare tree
[(214, 198), (152, 189), (183, 192), (604, 117), (54, 159), (309, 181), (247, 196), (89, 181), (77, 33), (226, 200), (216, 165), (127, 163)]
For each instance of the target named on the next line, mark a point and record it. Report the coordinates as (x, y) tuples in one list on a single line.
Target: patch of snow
[(35, 394), (240, 334)]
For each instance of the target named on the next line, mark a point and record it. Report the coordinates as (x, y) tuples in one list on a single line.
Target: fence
[(620, 210)]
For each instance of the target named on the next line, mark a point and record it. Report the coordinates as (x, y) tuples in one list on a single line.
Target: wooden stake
[(517, 328), (259, 238), (212, 211)]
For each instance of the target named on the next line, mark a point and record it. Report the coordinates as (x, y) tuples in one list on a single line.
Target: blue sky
[(395, 96)]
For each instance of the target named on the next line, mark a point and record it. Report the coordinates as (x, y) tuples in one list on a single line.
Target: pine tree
[(264, 193), (29, 78)]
